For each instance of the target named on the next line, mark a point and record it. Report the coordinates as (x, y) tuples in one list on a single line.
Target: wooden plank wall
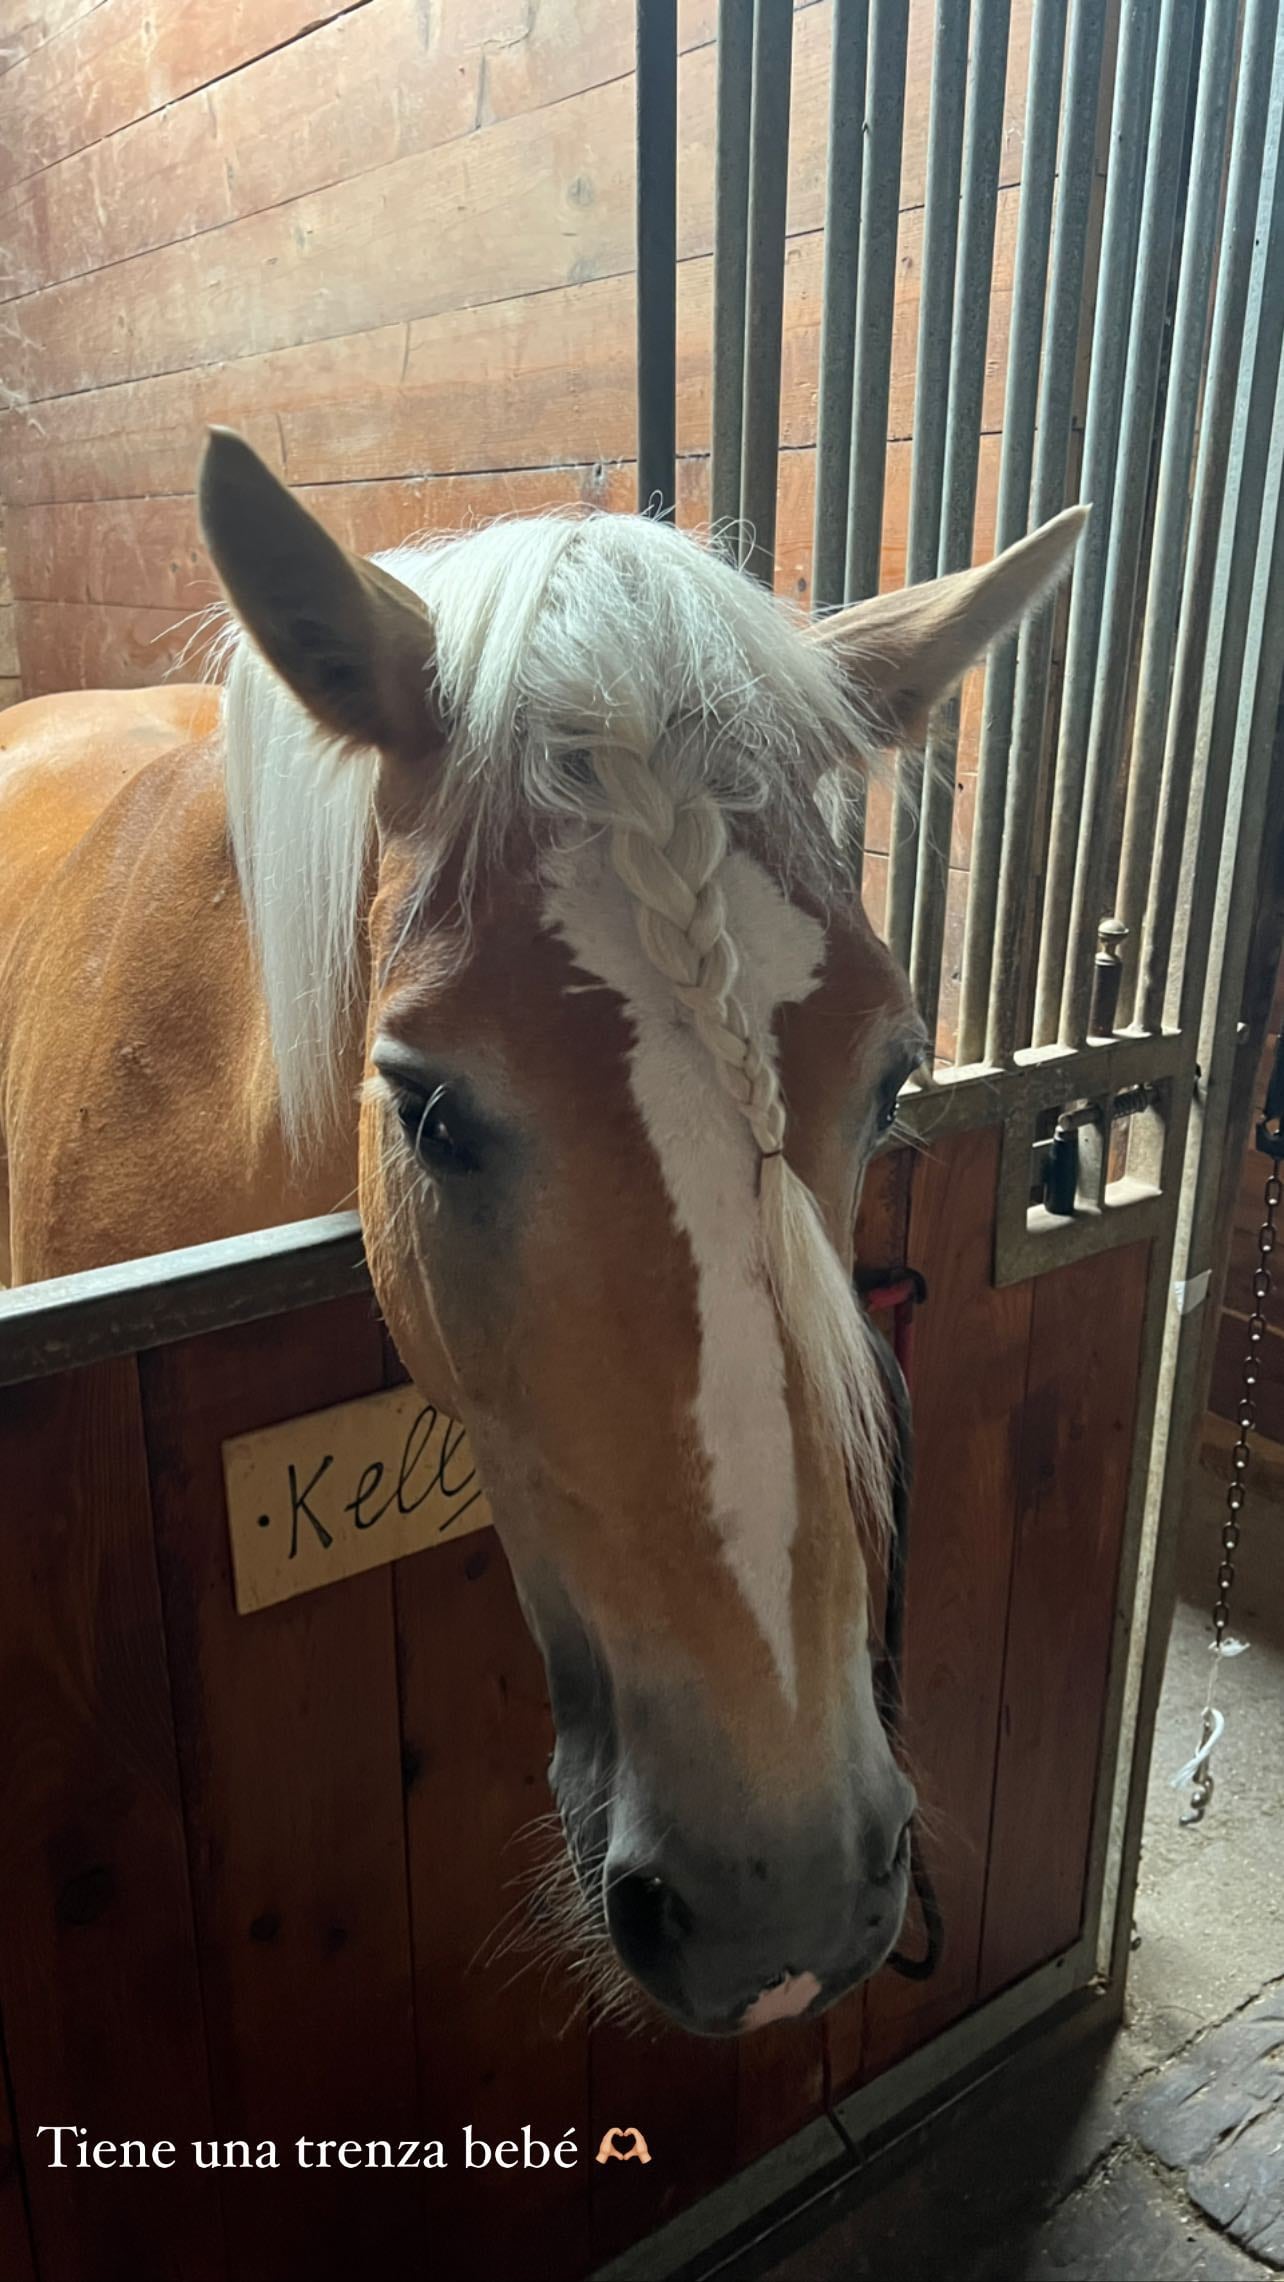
[(10, 683), (251, 1869), (393, 244)]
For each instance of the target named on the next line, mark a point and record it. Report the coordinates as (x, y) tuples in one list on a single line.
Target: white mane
[(555, 636)]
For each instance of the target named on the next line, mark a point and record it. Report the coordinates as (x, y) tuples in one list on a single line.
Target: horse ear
[(353, 643), (903, 652)]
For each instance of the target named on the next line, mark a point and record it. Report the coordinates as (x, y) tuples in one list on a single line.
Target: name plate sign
[(345, 1489)]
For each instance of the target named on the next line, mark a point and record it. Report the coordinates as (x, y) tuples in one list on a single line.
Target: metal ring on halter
[(891, 1681)]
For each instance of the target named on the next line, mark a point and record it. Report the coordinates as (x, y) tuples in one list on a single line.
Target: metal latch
[(1061, 1158)]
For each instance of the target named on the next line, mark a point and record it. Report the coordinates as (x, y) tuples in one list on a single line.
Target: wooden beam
[(125, 58)]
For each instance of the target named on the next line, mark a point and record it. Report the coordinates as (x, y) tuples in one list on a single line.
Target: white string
[(1212, 1721), (1216, 1730)]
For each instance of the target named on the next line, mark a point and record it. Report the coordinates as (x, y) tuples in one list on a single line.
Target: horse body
[(540, 830), (138, 1095)]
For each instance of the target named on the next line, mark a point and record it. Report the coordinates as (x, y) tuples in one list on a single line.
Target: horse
[(506, 883)]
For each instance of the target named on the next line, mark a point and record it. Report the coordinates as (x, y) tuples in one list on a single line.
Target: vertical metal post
[(1141, 383), (773, 34), (843, 188), (931, 405), (657, 250), (1172, 502), (1065, 292), (986, 101), (1128, 143), (879, 225), (1029, 284), (1220, 393), (1208, 1186), (1203, 872), (730, 255)]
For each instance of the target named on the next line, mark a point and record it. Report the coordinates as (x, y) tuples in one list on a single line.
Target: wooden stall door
[(254, 1870), (1024, 1400)]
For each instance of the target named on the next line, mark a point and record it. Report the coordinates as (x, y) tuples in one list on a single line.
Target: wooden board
[(114, 593), (290, 1746), (1076, 1444), (17, 2257), (565, 171), (30, 23), (558, 368), (117, 61), (386, 246), (681, 2093), (99, 1984), (86, 645), (970, 1353), (501, 2022), (365, 85)]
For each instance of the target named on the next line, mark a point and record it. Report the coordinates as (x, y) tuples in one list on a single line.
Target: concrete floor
[(1160, 2156)]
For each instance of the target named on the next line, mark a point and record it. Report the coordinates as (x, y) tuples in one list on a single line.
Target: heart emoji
[(624, 2146)]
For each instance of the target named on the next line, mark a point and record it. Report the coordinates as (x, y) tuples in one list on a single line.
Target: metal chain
[(1246, 1418)]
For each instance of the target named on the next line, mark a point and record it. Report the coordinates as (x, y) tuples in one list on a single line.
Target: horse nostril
[(648, 1920), (890, 1864)]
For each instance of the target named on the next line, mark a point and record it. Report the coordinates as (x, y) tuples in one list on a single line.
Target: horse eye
[(889, 1093), (427, 1124)]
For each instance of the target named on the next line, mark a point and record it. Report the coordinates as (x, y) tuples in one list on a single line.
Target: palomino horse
[(539, 831)]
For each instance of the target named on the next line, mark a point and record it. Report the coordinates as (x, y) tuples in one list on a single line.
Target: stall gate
[(260, 1873)]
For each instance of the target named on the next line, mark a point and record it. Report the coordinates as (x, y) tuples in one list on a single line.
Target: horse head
[(571, 795)]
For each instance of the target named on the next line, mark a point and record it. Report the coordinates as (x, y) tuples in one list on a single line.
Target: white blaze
[(709, 1166)]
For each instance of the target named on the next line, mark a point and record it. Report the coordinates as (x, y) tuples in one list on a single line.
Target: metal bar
[(1172, 503), (730, 254), (1206, 838), (1136, 1617), (69, 1321), (657, 253), (1110, 334), (931, 411), (843, 187), (1164, 168), (1056, 388), (876, 290), (773, 40), (1221, 388), (1239, 598), (868, 2111), (986, 102), (958, 1100), (1029, 285)]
